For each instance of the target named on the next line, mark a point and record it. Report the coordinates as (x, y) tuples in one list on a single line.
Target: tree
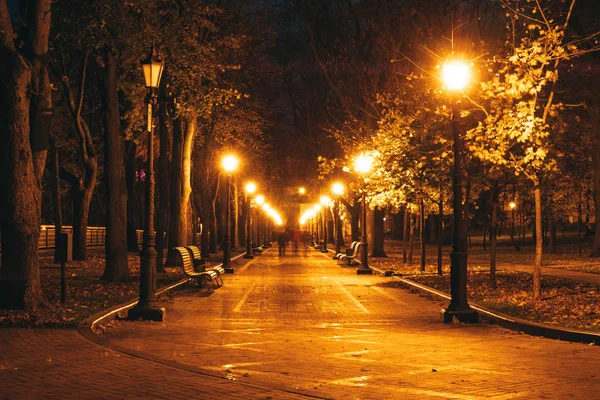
[(515, 132), (25, 108), (82, 188)]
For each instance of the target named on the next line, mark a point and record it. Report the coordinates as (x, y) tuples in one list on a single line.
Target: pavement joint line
[(242, 301), (513, 323), (354, 299)]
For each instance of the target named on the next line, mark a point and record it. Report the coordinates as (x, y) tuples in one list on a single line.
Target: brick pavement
[(304, 324)]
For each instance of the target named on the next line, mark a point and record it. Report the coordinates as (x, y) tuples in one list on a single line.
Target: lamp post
[(147, 307), (250, 188), (456, 77), (363, 165), (325, 202), (338, 190), (229, 162)]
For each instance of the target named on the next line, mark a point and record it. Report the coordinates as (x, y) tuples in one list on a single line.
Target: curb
[(510, 322), (87, 326)]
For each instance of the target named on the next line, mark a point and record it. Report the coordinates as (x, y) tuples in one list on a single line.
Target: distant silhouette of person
[(282, 240), (296, 237)]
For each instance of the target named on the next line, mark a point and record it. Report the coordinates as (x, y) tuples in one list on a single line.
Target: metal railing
[(95, 235)]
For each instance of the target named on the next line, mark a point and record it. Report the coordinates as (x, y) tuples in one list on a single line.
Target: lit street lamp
[(229, 162), (338, 190), (456, 76), (302, 190), (363, 165), (147, 307), (249, 189), (325, 202)]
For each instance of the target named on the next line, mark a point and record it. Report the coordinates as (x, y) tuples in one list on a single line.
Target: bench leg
[(204, 282)]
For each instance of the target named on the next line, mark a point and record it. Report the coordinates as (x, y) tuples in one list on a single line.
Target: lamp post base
[(364, 271), (249, 256), (229, 270), (467, 315), (324, 250), (147, 313)]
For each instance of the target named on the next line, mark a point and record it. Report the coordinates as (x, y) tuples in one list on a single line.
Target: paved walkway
[(296, 327), (303, 324)]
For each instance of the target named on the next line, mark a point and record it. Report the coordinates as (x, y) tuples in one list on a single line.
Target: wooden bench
[(198, 261), (257, 250), (348, 251), (352, 259), (204, 279)]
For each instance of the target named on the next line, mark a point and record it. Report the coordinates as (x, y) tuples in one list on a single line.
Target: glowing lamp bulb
[(260, 199), (250, 187), (337, 188), (302, 190), (363, 164), (456, 75), (230, 162)]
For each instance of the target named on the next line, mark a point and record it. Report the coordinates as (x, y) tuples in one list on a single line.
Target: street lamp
[(325, 202), (147, 307), (250, 188), (338, 190), (456, 76), (363, 165), (230, 163), (302, 190)]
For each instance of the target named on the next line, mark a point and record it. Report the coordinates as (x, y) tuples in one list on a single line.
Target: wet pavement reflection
[(303, 323)]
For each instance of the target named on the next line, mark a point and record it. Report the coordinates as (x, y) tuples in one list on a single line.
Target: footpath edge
[(508, 321)]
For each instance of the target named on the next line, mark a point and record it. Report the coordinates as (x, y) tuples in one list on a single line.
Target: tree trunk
[(130, 177), (552, 245), (235, 213), (405, 233), (20, 189), (186, 173), (467, 210), (422, 233), (579, 222), (355, 212), (116, 269), (81, 190), (440, 231), (411, 236), (594, 113), (537, 267), (378, 233), (175, 203), (213, 225), (80, 221), (243, 220), (493, 231), (485, 230), (163, 181)]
